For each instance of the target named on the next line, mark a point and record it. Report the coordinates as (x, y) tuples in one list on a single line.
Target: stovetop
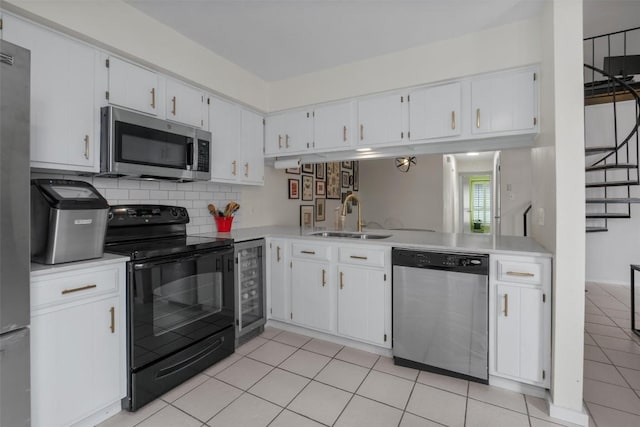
[(150, 231)]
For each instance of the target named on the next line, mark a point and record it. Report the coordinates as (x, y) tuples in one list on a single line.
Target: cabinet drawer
[(63, 288), (520, 272), (362, 256), (310, 251)]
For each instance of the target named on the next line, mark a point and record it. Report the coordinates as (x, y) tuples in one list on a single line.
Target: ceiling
[(279, 39)]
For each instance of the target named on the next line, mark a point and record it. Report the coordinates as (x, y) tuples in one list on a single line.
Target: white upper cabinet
[(224, 125), (185, 104), (252, 147), (435, 112), (133, 87), (380, 119), (64, 109), (333, 125), (289, 133), (504, 102), (237, 143)]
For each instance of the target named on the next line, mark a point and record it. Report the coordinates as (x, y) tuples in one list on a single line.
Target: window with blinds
[(480, 194)]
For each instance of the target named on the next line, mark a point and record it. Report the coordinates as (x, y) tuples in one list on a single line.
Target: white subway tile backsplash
[(191, 195), (140, 194), (178, 195), (128, 183), (168, 185), (114, 194), (158, 194), (149, 185), (185, 186)]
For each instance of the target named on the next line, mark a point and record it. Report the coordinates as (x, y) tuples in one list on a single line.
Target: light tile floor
[(283, 379)]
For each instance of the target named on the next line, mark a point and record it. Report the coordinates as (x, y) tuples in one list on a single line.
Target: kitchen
[(253, 200)]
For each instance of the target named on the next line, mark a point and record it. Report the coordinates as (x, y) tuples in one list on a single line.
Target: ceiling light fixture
[(473, 154), (404, 163), (362, 150)]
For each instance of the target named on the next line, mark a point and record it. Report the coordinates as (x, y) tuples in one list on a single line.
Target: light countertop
[(42, 269), (477, 243)]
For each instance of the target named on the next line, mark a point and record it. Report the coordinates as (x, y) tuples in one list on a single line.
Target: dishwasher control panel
[(450, 261)]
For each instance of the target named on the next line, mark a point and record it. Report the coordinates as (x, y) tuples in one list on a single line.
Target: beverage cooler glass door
[(251, 304), (178, 301)]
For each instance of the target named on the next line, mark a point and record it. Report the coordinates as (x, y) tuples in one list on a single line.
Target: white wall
[(516, 175), (558, 163), (507, 46), (450, 196), (115, 25), (396, 199)]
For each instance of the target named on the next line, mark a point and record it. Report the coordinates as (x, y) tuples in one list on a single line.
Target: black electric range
[(180, 298)]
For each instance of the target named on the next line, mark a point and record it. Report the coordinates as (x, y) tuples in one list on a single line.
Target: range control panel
[(129, 215)]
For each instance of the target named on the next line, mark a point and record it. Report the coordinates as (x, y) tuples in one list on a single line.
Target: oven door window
[(177, 302), (145, 146)]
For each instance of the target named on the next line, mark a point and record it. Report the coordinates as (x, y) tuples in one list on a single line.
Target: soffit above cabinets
[(277, 39)]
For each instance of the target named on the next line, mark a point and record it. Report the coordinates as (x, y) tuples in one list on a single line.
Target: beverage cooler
[(250, 289)]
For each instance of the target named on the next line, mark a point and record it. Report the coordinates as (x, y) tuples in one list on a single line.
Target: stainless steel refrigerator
[(15, 389)]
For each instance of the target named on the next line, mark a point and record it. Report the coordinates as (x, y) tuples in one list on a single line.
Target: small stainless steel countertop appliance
[(441, 312), (68, 221), (180, 298)]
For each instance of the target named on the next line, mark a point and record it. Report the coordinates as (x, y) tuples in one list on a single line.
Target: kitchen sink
[(349, 235)]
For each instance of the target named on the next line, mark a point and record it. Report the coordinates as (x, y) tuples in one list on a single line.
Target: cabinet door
[(434, 112), (380, 119), (519, 332), (63, 105), (361, 303), (133, 87), (503, 102), (252, 142), (333, 126), (310, 295), (224, 125), (289, 132), (185, 104), (75, 362), (279, 295)]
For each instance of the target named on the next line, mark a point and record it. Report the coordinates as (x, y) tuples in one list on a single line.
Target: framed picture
[(307, 188), (321, 189), (345, 179), (307, 168), (347, 165), (294, 171), (320, 171), (294, 188), (333, 180), (356, 176), (320, 209), (306, 216)]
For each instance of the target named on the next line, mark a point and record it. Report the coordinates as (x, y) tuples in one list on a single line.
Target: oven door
[(175, 302)]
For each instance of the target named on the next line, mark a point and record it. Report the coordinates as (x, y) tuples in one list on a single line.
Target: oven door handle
[(151, 264)]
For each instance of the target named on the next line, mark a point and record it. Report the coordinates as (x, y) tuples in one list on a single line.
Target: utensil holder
[(224, 223)]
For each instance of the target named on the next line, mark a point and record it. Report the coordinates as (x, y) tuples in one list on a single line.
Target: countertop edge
[(38, 270)]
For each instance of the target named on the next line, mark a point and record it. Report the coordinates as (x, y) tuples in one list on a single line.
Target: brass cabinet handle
[(344, 133), (81, 288), (278, 254), (308, 252), (341, 280), (324, 277), (279, 141), (233, 171), (173, 100), (506, 305), (86, 147), (112, 310), (361, 132), (358, 257), (153, 98), (286, 140), (478, 118), (453, 120), (519, 274), (246, 169)]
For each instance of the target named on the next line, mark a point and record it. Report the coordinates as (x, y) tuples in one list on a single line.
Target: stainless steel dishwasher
[(440, 312)]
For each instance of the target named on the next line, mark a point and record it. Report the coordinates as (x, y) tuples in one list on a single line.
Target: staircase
[(612, 121)]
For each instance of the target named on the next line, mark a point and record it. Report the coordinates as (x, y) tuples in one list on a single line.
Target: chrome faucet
[(344, 210)]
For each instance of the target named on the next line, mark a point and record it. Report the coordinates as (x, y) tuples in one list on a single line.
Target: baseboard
[(565, 414), (518, 387), (606, 283), (100, 415)]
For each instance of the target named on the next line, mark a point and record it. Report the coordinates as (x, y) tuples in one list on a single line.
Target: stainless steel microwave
[(138, 146)]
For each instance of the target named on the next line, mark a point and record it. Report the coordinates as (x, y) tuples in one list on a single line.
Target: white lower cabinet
[(311, 294), (78, 366), (520, 323), (279, 288)]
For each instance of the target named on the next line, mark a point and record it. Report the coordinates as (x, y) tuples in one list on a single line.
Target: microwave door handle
[(190, 154)]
